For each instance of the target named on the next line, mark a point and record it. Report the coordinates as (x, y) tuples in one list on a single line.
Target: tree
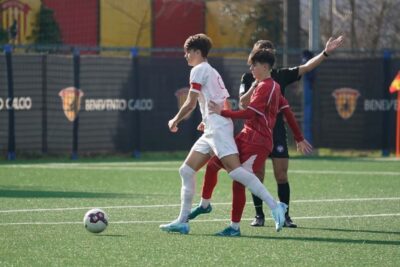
[(269, 19), (3, 36), (46, 30), (368, 24)]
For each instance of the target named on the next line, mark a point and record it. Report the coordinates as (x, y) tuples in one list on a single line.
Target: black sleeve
[(286, 76), (245, 83)]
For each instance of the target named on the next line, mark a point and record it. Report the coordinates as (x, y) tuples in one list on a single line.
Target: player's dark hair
[(200, 42), (264, 44), (263, 56)]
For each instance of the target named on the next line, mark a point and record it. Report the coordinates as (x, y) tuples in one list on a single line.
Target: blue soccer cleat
[(196, 211), (229, 231), (278, 214), (176, 227)]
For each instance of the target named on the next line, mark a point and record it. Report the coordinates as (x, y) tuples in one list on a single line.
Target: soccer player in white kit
[(206, 85)]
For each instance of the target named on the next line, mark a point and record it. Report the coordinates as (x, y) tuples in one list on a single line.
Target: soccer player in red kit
[(206, 86), (255, 140)]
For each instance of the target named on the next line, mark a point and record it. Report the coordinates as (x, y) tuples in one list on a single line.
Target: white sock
[(251, 181), (235, 226), (205, 202), (187, 191)]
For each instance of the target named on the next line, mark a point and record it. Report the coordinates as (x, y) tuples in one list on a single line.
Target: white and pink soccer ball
[(95, 220)]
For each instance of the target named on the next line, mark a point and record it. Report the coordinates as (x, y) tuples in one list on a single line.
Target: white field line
[(138, 167), (214, 220), (178, 205)]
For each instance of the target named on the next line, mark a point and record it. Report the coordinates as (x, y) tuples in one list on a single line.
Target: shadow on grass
[(351, 230), (105, 235), (316, 239), (19, 193)]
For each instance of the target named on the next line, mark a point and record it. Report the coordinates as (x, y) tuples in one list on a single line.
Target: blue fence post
[(387, 55), (9, 103), (308, 98), (75, 136), (136, 149)]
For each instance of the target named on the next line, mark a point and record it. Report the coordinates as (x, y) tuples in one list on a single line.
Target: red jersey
[(265, 103)]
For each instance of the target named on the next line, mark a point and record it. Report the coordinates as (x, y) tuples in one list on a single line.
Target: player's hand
[(304, 147), (173, 125), (332, 44), (214, 108), (200, 127)]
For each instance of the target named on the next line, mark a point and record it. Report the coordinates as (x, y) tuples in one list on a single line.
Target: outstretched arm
[(239, 114), (303, 145), (330, 46)]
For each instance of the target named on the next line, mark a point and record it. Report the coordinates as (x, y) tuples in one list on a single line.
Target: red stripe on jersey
[(195, 86)]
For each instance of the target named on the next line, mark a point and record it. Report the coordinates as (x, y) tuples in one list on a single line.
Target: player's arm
[(188, 106), (330, 46), (302, 144), (244, 100), (256, 106), (239, 114)]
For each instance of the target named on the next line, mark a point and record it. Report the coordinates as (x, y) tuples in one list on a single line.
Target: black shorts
[(280, 149)]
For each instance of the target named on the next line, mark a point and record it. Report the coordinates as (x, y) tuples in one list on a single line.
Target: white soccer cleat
[(176, 226), (278, 214)]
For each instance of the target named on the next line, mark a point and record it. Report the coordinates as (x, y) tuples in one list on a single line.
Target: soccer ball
[(95, 220)]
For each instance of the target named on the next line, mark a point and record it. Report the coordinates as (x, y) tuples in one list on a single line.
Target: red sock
[(211, 177), (238, 201)]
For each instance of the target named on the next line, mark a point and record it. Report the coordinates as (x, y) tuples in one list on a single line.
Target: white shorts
[(217, 138)]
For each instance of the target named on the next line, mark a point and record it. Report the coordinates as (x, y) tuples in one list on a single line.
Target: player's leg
[(210, 180), (197, 158), (252, 159), (238, 204), (209, 183), (248, 179), (259, 219), (280, 163), (281, 166)]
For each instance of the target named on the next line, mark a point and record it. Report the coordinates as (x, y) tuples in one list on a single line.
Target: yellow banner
[(18, 17), (125, 23), (226, 30)]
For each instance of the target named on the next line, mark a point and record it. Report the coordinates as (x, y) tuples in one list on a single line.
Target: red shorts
[(252, 157)]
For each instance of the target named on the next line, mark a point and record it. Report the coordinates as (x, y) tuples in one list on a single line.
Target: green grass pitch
[(347, 209)]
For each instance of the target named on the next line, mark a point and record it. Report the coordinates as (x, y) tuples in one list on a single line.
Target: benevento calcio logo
[(346, 101), (71, 102), (14, 16)]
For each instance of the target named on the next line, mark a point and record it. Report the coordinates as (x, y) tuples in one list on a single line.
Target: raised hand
[(332, 44)]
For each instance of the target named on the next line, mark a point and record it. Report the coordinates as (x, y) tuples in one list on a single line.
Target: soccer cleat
[(258, 221), (229, 231), (176, 227), (289, 223), (196, 211), (278, 214)]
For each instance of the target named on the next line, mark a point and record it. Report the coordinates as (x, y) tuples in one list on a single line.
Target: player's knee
[(213, 166), (281, 177), (186, 172)]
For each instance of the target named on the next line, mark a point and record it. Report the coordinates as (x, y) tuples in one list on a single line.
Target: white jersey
[(206, 81), (218, 131)]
